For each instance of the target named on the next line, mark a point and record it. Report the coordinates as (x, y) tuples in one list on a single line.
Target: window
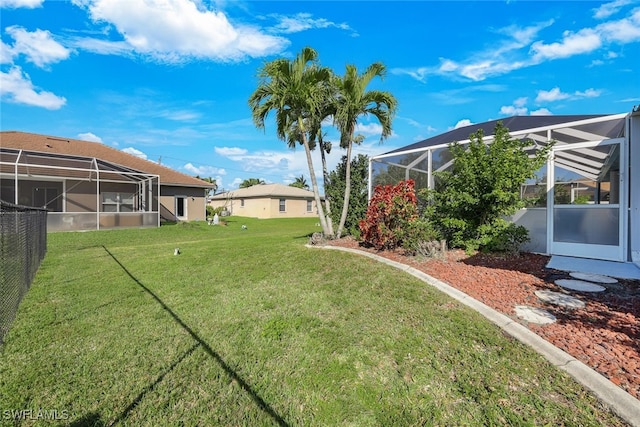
[(242, 203), (44, 197), (309, 206), (117, 202), (283, 205)]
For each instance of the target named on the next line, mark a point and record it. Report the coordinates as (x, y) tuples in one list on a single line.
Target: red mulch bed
[(604, 335)]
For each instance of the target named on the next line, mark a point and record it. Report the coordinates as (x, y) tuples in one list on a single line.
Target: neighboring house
[(587, 195), (267, 201), (88, 185)]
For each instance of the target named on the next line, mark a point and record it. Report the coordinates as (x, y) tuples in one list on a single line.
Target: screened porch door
[(587, 200)]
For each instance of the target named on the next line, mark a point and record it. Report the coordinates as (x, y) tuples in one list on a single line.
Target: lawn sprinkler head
[(176, 251)]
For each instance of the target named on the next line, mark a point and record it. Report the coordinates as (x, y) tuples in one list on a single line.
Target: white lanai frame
[(21, 164), (589, 148)]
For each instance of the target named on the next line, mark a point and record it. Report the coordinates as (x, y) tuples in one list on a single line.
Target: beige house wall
[(194, 199), (266, 207)]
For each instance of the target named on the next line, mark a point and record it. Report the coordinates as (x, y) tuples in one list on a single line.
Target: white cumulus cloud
[(230, 151), (16, 87), (38, 46), (135, 152), (15, 4), (88, 136), (462, 123), (204, 171), (180, 30)]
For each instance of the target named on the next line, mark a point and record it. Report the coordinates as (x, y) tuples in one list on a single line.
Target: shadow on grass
[(89, 420), (199, 342)]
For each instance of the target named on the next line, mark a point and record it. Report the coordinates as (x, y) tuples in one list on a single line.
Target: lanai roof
[(587, 127)]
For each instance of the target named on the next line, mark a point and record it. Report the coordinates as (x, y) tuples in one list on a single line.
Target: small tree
[(335, 186), (471, 201)]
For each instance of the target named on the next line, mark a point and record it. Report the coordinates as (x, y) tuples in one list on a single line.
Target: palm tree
[(353, 101), (300, 182), (250, 182), (214, 185), (295, 91)]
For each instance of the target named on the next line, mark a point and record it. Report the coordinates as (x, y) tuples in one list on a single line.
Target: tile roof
[(58, 145), (265, 190)]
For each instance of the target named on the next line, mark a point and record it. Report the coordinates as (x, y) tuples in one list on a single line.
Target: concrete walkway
[(621, 403)]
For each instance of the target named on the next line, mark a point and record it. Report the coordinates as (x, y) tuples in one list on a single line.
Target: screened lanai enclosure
[(585, 202), (79, 193)]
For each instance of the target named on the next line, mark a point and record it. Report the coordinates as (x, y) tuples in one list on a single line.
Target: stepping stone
[(579, 285), (590, 277), (534, 315), (562, 300)]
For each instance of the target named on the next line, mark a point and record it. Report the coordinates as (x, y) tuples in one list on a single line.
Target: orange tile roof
[(58, 145)]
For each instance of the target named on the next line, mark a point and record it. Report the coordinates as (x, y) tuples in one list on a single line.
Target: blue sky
[(169, 80)]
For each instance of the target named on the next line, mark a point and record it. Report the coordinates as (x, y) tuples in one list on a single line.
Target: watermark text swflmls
[(35, 414)]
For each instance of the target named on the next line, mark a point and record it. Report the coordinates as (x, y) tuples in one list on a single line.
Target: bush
[(417, 236), (211, 211), (391, 210), (481, 189)]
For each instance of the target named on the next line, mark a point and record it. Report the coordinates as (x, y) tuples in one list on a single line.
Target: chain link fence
[(23, 244)]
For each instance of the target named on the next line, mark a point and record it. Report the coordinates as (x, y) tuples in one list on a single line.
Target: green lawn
[(250, 327)]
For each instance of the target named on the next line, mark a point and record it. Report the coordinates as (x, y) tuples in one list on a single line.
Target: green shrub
[(483, 186)]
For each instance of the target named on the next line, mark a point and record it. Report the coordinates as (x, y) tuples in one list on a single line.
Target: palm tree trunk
[(327, 202), (314, 183), (347, 191)]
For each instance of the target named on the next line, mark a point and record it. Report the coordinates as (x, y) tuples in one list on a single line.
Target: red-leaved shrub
[(391, 208)]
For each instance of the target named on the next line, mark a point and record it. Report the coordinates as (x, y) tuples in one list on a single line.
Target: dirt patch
[(604, 335)]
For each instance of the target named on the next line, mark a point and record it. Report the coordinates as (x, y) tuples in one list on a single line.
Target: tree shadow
[(89, 420), (264, 406)]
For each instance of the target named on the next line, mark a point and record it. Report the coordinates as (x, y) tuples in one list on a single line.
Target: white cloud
[(204, 171), (551, 95), (512, 110), (519, 50), (608, 9), (503, 57), (541, 112), (88, 136), (230, 151), (587, 40), (6, 53), (589, 93), (177, 30), (15, 4), (38, 46), (520, 102), (180, 115), (302, 22), (584, 41), (556, 94), (135, 152), (462, 123), (626, 30), (17, 87), (368, 129)]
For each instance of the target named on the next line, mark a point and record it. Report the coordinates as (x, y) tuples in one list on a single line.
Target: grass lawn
[(249, 327)]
